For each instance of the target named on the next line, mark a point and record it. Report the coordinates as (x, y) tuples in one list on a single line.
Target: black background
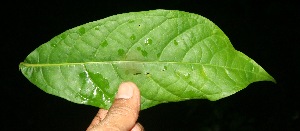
[(265, 30)]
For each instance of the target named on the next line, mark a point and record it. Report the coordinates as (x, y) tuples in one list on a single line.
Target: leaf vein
[(144, 36), (165, 88), (178, 35), (199, 42), (104, 38)]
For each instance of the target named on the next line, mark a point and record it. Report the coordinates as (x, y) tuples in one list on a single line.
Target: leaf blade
[(178, 54)]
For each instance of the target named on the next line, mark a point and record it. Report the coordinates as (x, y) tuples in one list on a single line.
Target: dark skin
[(123, 114)]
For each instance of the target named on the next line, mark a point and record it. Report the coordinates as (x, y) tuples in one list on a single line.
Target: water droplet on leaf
[(130, 21), (158, 55), (121, 52), (53, 44), (63, 36), (132, 37), (99, 80), (144, 53), (165, 68), (106, 100), (104, 43), (81, 30), (148, 41), (175, 42), (96, 28), (82, 75), (187, 76)]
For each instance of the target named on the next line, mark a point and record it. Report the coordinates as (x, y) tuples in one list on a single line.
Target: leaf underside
[(171, 56)]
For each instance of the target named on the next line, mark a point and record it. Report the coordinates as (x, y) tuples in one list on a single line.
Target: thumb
[(123, 113)]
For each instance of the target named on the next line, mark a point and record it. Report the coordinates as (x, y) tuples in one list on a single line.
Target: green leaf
[(171, 56)]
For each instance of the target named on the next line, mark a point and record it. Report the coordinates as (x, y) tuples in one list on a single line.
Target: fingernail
[(125, 91)]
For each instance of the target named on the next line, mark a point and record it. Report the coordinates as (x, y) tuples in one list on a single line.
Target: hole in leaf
[(138, 73)]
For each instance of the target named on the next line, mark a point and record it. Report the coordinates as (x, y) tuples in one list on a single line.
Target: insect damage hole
[(138, 73)]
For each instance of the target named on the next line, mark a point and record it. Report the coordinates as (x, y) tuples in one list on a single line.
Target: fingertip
[(125, 91), (129, 84), (136, 93), (124, 111), (137, 127)]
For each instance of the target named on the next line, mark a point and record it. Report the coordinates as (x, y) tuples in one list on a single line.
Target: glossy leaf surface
[(170, 55)]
